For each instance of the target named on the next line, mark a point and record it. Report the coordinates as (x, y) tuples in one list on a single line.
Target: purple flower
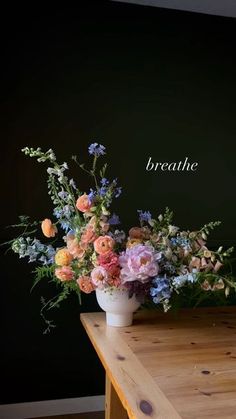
[(114, 220), (144, 215), (104, 181), (118, 192), (96, 149), (91, 195), (139, 263), (102, 191), (63, 195)]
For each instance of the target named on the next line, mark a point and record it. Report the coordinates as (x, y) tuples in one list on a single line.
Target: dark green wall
[(142, 81)]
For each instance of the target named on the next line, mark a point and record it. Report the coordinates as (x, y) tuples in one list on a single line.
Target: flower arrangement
[(84, 249)]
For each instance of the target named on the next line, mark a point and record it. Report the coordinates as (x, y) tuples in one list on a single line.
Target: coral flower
[(85, 284), (114, 276), (76, 249), (108, 260), (88, 236), (63, 257), (48, 229), (103, 244), (64, 273), (83, 203)]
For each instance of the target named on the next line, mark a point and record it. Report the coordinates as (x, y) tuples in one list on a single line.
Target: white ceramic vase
[(118, 306)]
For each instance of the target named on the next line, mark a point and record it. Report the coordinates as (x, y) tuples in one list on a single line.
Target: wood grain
[(135, 387), (113, 406), (167, 366), (90, 415)]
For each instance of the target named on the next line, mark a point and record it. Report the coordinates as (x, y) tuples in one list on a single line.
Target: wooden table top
[(170, 366)]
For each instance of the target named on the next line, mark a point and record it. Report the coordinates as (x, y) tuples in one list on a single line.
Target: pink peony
[(108, 260), (138, 263), (83, 204), (103, 244), (99, 276), (64, 273)]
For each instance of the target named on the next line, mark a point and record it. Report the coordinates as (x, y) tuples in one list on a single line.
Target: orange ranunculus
[(83, 204), (103, 244), (63, 257), (48, 229), (85, 284), (64, 273)]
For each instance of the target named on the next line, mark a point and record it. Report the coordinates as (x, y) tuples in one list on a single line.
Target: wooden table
[(166, 366)]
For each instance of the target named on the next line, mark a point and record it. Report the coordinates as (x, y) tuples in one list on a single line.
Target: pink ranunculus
[(85, 284), (108, 260), (88, 236), (65, 273), (83, 203), (103, 244), (99, 276), (114, 276), (139, 263)]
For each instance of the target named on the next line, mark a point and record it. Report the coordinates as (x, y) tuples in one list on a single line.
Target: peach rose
[(48, 229), (64, 273), (103, 244), (85, 284), (76, 249), (102, 223), (63, 257), (136, 233), (83, 204), (88, 236)]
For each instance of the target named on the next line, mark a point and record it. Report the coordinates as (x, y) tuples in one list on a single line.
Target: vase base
[(119, 320)]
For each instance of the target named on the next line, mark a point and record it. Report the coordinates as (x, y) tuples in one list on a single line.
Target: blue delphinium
[(96, 149), (181, 280), (180, 241), (34, 250), (145, 216), (160, 289)]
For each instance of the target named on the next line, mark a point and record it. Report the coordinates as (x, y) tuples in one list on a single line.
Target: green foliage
[(45, 271), (205, 230)]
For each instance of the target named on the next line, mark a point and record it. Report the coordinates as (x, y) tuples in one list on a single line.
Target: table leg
[(113, 406)]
